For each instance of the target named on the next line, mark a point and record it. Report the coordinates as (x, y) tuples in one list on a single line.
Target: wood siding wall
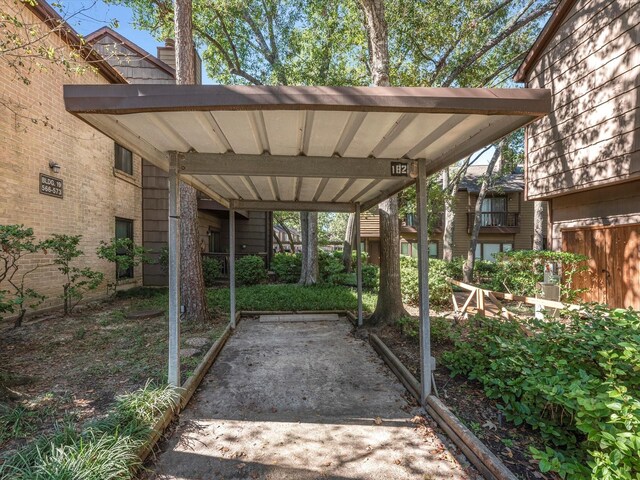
[(134, 68), (592, 136)]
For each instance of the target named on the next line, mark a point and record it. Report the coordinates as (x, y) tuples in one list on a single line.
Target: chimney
[(167, 53)]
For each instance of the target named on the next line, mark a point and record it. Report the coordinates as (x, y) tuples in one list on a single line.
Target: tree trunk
[(467, 268), (347, 244), (279, 242), (193, 293), (389, 307), (449, 219), (538, 225), (309, 227), (304, 231), (450, 187)]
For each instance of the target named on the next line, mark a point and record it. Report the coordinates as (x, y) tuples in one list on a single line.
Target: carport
[(339, 149)]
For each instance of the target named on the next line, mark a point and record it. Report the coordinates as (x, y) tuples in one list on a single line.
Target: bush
[(211, 270), (576, 380), (331, 269), (370, 276), (439, 288), (250, 270), (519, 271), (287, 267)]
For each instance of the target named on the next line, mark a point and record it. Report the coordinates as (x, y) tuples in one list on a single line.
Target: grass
[(288, 297), (103, 450)]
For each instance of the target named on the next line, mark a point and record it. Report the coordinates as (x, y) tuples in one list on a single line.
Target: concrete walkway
[(301, 400)]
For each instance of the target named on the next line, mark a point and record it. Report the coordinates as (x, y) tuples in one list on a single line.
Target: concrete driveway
[(301, 400)]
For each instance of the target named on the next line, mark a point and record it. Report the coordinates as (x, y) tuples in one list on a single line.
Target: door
[(374, 251), (614, 263)]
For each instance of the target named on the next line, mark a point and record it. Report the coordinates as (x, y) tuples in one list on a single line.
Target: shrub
[(211, 270), (370, 276), (439, 288), (250, 270), (16, 242), (576, 380), (78, 280), (331, 269), (287, 267), (519, 271)]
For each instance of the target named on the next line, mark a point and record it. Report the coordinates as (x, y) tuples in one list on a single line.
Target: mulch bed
[(467, 400)]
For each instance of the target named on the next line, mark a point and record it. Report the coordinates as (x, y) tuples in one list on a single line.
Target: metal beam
[(293, 206), (288, 166), (232, 268), (359, 264), (423, 282), (174, 269)]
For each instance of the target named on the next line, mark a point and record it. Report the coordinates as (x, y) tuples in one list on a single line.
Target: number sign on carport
[(340, 149)]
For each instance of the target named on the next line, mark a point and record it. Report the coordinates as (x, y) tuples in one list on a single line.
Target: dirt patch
[(467, 400), (58, 369)]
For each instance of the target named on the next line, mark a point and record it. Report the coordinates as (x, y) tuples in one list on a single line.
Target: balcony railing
[(506, 222)]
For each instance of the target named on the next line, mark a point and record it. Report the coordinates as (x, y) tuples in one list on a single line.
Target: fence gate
[(614, 263)]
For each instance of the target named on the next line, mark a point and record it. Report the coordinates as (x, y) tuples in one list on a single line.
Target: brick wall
[(94, 194)]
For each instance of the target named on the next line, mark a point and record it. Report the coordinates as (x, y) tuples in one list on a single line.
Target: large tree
[(192, 288), (389, 307)]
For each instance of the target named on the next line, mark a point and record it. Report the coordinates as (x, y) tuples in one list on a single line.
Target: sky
[(87, 16)]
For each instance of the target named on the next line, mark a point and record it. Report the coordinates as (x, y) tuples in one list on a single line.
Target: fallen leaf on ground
[(377, 421), (490, 425)]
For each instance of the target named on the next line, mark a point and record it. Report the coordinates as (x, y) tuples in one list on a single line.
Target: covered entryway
[(340, 149), (297, 401), (613, 277)]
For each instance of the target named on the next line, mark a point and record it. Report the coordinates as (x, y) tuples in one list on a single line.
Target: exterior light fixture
[(54, 166)]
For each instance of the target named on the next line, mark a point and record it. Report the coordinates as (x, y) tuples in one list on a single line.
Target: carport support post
[(359, 264), (423, 282), (174, 269), (232, 267)]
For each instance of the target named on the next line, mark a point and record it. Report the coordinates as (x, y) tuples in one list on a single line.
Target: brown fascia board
[(53, 20), (104, 31), (557, 18), (126, 99)]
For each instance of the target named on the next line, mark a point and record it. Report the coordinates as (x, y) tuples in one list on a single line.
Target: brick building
[(101, 184)]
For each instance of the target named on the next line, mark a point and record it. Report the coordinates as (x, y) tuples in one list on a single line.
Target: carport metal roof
[(303, 148)]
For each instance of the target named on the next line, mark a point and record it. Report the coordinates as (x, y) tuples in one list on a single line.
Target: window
[(124, 159), (433, 249), (487, 251), (494, 212), (411, 249), (124, 229)]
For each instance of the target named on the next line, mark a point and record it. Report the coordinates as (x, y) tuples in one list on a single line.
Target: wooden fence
[(481, 295)]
